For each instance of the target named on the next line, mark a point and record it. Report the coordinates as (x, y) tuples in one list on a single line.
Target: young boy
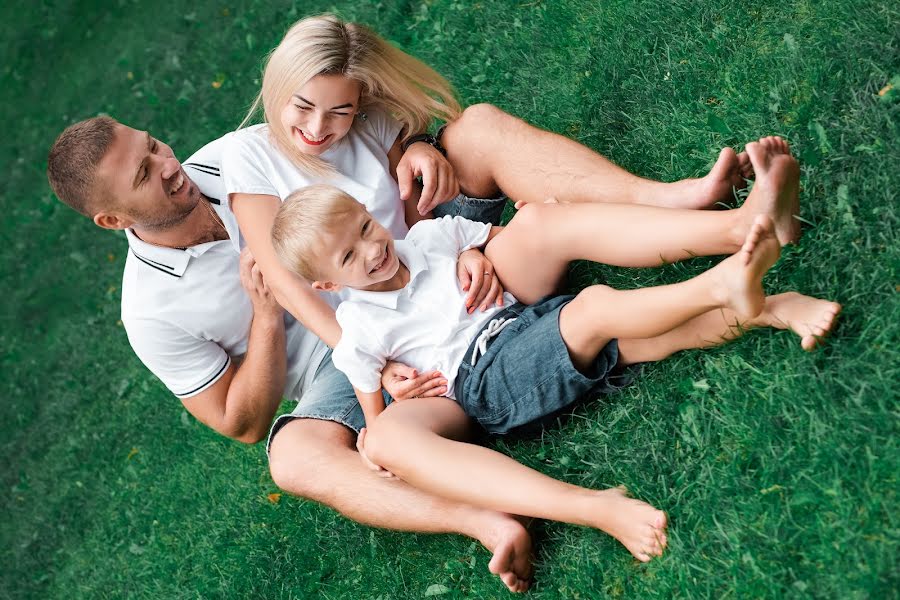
[(508, 366)]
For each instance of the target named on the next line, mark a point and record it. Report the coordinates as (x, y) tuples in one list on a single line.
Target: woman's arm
[(255, 214)]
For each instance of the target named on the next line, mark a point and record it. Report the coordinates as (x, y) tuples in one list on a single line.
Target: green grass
[(778, 468)]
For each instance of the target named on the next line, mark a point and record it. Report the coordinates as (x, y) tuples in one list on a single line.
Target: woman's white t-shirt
[(251, 164)]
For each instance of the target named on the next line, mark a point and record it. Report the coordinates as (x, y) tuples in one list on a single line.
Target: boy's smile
[(359, 253)]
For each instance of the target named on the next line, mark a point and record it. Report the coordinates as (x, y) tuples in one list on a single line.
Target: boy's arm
[(373, 405)]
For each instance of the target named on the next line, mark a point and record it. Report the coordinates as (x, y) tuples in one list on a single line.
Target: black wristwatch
[(428, 139)]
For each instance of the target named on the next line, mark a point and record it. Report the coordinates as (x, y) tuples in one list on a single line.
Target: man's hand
[(263, 300), (403, 382), (476, 276), (439, 182), (361, 448)]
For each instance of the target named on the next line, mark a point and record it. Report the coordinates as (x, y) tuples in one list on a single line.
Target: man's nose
[(169, 167)]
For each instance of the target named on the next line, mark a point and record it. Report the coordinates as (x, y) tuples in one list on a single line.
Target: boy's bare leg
[(318, 460), (491, 150), (600, 313), (415, 441), (810, 318), (532, 253)]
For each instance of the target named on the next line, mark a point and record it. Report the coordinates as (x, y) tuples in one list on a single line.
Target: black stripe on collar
[(204, 171), (154, 264)]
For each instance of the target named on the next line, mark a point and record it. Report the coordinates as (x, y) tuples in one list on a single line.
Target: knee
[(472, 124), (479, 115), (530, 223), (381, 441), (300, 458)]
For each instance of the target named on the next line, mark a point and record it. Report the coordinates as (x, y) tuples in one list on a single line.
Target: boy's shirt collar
[(414, 259)]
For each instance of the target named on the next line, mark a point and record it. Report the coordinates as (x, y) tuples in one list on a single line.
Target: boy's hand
[(439, 183), (476, 276), (361, 448), (403, 382), (263, 300)]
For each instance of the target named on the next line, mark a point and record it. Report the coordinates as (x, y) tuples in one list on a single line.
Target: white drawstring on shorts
[(491, 331)]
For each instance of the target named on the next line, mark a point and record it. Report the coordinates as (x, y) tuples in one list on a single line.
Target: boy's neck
[(397, 282)]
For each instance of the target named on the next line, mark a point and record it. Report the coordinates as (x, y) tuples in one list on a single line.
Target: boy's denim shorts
[(485, 210), (527, 375), (329, 398)]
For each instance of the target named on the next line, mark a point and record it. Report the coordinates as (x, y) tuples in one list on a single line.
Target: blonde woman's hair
[(403, 86), (300, 222)]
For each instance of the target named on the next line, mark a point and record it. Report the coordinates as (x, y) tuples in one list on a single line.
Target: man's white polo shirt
[(187, 315), (424, 325)]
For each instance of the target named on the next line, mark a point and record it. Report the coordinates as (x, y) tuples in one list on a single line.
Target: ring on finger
[(487, 273)]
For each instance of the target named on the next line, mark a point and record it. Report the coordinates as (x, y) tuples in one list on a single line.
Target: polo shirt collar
[(168, 260), (414, 259)]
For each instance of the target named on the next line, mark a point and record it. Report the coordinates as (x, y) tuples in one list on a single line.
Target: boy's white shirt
[(252, 164), (425, 324)]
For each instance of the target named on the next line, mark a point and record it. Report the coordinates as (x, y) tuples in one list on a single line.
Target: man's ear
[(326, 286), (112, 221)]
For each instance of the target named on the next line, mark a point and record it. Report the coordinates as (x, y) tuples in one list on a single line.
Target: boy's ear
[(326, 286)]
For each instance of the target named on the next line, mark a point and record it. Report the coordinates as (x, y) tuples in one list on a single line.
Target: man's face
[(148, 187), (359, 253)]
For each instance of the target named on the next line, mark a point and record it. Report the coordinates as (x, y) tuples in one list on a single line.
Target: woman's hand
[(403, 382), (439, 182), (476, 276), (361, 448)]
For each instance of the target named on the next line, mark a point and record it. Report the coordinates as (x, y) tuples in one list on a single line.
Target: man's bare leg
[(318, 460), (491, 150)]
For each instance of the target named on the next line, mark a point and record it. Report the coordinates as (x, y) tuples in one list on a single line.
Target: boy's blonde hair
[(299, 223), (405, 87)]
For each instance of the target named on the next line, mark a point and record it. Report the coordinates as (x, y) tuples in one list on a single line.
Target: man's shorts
[(527, 375), (485, 210), (329, 398)]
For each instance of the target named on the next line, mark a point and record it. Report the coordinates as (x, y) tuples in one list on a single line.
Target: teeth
[(178, 183)]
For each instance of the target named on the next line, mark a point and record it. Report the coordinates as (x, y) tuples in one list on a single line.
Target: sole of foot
[(776, 192), (512, 554), (739, 277)]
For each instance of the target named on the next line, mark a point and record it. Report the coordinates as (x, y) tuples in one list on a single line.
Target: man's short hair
[(300, 222), (73, 160)]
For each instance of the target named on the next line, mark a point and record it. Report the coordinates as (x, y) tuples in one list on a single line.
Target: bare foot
[(810, 318), (510, 542), (728, 173), (739, 277), (776, 192), (637, 525)]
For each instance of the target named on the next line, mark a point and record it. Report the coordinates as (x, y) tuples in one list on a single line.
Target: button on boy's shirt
[(425, 324)]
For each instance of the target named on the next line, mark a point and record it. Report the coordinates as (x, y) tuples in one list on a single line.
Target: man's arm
[(243, 401)]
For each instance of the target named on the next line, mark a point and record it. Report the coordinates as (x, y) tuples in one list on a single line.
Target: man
[(200, 317)]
